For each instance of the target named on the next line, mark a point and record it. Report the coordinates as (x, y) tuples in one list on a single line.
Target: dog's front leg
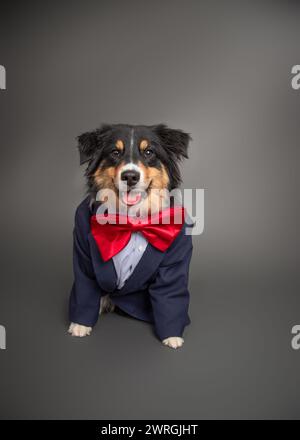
[(173, 342), (169, 295), (106, 305), (79, 330)]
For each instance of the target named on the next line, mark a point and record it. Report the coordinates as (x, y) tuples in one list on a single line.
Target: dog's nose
[(131, 177)]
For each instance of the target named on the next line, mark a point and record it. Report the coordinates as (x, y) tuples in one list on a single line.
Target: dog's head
[(132, 160)]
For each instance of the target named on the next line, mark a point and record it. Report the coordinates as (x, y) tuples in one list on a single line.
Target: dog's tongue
[(131, 197)]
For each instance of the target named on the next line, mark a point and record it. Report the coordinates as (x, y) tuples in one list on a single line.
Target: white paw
[(106, 305), (79, 330), (173, 342)]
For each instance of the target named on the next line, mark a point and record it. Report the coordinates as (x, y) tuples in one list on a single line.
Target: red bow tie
[(112, 232)]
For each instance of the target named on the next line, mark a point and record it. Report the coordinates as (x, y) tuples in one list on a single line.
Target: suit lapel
[(147, 265), (105, 271)]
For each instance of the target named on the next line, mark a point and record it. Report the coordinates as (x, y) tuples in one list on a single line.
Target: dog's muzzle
[(131, 184)]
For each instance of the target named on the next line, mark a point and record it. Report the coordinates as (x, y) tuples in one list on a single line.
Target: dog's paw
[(106, 305), (173, 342), (79, 330)]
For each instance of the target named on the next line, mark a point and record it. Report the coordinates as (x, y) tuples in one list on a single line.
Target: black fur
[(175, 144), (166, 146)]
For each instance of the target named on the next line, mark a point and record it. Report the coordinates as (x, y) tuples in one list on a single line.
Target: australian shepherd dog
[(132, 169)]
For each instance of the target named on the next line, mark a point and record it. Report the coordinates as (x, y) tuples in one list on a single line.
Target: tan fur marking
[(158, 180), (120, 144), (144, 144), (104, 177), (158, 177)]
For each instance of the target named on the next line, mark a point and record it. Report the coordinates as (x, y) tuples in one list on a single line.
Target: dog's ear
[(87, 145), (91, 142), (175, 142)]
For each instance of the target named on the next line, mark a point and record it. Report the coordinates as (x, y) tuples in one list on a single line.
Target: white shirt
[(127, 259)]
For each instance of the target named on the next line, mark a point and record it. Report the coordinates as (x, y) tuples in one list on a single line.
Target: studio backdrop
[(221, 71)]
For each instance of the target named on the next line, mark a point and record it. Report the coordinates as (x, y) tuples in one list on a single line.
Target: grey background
[(220, 70)]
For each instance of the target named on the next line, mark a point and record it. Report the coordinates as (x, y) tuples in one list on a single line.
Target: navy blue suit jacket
[(156, 291)]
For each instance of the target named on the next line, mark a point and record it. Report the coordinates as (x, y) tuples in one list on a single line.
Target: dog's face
[(133, 160)]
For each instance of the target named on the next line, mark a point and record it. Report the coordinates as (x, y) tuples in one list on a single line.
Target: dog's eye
[(115, 153), (148, 153)]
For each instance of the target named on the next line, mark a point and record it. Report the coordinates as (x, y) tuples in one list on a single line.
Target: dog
[(131, 169)]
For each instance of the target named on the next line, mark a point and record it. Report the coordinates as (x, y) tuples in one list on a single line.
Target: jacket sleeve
[(85, 295), (169, 292)]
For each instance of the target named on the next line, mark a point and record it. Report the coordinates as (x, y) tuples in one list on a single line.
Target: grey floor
[(237, 361)]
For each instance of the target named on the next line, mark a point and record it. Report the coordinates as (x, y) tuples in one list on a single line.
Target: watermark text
[(296, 78), (2, 338), (2, 78)]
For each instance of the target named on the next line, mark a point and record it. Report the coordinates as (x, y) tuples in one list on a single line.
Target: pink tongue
[(131, 198)]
